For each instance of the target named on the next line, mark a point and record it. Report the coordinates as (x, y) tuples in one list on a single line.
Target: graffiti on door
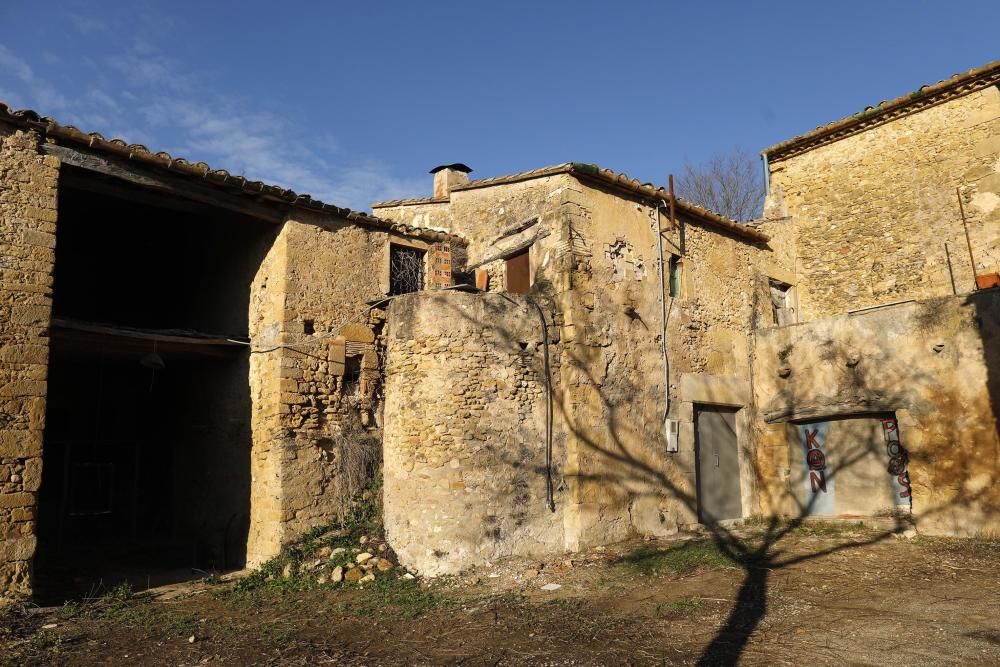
[(898, 462), (819, 482)]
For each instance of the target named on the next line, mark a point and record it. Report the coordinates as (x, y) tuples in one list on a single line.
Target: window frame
[(423, 253)]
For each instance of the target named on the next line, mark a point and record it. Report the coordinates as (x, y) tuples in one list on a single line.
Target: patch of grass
[(827, 528), (681, 559), (681, 607), (46, 642), (965, 546), (70, 609), (121, 607), (391, 596), (276, 632), (758, 521)]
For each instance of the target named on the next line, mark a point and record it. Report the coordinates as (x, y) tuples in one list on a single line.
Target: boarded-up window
[(675, 276), (406, 269), (518, 273), (782, 305)]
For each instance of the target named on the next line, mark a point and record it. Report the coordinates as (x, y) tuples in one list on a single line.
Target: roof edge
[(924, 97), (51, 129), (592, 172)]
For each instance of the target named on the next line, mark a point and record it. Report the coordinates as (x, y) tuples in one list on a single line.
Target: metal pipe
[(951, 272), (968, 241), (663, 306), (549, 491), (767, 174)]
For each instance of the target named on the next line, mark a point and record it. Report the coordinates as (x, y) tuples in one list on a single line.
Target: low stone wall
[(464, 435), (27, 242), (934, 363)]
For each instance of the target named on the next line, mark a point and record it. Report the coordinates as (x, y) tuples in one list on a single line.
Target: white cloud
[(191, 116), (36, 92)]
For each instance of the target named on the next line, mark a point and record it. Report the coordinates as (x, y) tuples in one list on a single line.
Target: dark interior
[(146, 463)]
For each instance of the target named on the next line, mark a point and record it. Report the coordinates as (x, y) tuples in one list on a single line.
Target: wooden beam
[(182, 187), (162, 336)]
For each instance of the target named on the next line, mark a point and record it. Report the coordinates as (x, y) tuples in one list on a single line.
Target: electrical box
[(672, 430)]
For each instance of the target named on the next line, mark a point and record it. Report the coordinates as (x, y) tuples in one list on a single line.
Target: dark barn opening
[(146, 459)]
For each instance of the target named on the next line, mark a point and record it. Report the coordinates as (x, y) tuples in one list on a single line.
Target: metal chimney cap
[(458, 166)]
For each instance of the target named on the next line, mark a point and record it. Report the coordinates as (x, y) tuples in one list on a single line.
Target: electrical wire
[(549, 491)]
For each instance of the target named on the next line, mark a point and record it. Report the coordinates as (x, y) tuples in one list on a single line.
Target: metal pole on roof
[(673, 218), (968, 241)]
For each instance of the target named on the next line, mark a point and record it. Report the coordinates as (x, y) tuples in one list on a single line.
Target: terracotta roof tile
[(888, 110)]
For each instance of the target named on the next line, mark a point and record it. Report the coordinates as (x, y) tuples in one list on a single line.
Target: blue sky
[(354, 102)]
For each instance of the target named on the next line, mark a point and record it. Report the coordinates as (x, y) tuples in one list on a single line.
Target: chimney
[(447, 176)]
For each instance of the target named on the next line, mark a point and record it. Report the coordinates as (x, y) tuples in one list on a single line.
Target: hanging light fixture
[(154, 362)]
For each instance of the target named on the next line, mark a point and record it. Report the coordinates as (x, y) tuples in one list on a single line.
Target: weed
[(681, 559), (681, 607), (285, 573), (69, 610), (827, 528), (46, 641), (758, 521)]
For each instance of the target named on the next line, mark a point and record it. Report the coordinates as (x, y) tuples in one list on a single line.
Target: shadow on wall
[(620, 467)]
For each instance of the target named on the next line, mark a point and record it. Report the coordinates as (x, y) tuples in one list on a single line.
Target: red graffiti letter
[(811, 441), (818, 481)]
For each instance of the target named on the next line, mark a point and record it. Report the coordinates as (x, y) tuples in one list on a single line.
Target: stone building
[(196, 368), (895, 353), (188, 360), (531, 418)]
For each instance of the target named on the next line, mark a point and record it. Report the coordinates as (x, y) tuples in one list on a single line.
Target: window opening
[(406, 269), (675, 276), (518, 273), (782, 306)]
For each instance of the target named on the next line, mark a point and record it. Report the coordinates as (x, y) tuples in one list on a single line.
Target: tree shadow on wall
[(620, 465)]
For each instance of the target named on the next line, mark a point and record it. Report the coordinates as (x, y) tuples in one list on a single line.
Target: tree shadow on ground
[(616, 464)]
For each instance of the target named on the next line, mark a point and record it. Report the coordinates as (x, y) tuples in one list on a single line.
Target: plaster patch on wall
[(624, 262), (986, 202)]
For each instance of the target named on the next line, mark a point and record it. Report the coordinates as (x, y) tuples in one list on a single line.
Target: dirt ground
[(817, 598)]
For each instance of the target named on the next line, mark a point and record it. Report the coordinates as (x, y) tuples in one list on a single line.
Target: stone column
[(28, 183)]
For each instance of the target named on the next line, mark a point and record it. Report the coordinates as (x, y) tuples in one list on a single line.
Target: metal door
[(718, 464)]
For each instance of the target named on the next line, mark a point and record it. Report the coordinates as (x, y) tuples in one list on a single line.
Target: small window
[(782, 303), (675, 276), (518, 273), (406, 269)]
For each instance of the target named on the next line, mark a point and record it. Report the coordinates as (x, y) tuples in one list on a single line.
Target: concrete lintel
[(714, 389), (800, 413)]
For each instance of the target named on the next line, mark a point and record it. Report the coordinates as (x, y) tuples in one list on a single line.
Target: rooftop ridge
[(886, 111)]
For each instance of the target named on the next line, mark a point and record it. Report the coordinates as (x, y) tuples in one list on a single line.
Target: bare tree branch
[(727, 183)]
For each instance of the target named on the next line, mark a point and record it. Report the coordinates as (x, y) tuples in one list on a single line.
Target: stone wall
[(872, 212), (316, 369), (465, 444), (934, 363), (312, 285), (27, 240)]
